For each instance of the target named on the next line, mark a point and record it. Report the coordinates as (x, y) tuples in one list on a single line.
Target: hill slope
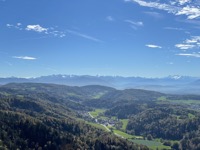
[(33, 117)]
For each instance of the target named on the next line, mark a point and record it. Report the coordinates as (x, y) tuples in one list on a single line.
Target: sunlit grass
[(97, 112), (125, 122)]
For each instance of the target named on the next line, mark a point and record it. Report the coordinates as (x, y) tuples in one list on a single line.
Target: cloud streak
[(193, 42), (134, 24), (153, 46), (139, 23), (190, 55), (84, 36), (173, 28), (182, 7), (25, 57)]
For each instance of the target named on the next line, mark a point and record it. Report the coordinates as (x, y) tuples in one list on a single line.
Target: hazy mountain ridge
[(171, 84)]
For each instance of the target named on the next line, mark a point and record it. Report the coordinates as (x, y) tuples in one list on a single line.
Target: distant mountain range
[(171, 84)]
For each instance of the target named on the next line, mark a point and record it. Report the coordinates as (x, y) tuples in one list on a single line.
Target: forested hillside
[(37, 116), (50, 116)]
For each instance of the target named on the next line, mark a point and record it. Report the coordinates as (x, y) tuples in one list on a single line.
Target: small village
[(99, 120)]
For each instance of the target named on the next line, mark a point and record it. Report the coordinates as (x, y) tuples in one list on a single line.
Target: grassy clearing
[(33, 88), (138, 139), (97, 126), (4, 93), (162, 98), (151, 144), (191, 116), (97, 112), (20, 96), (99, 95), (125, 122), (123, 134)]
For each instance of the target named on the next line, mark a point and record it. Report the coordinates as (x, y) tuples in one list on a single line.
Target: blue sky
[(144, 38)]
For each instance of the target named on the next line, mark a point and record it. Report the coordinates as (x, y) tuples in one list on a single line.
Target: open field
[(151, 144), (123, 134), (190, 101), (125, 122), (97, 112), (99, 126)]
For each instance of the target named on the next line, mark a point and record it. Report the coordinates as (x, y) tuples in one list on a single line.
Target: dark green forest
[(47, 116)]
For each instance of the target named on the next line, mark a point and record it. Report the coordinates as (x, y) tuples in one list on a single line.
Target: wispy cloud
[(110, 18), (191, 11), (138, 23), (184, 46), (197, 55), (182, 2), (153, 46), (173, 28), (193, 42), (39, 29), (36, 28), (135, 24), (16, 26), (84, 36), (25, 57), (180, 7), (166, 7)]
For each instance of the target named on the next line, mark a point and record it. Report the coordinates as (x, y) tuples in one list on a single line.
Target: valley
[(136, 118)]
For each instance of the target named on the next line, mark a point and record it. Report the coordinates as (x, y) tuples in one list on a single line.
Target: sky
[(143, 38)]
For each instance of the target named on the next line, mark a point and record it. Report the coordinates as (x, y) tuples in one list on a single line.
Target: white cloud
[(110, 18), (16, 26), (84, 36), (135, 24), (9, 25), (153, 46), (166, 7), (39, 29), (193, 42), (182, 2), (57, 33), (191, 11), (25, 57), (138, 23), (172, 28), (190, 55), (184, 46), (19, 24), (36, 28)]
